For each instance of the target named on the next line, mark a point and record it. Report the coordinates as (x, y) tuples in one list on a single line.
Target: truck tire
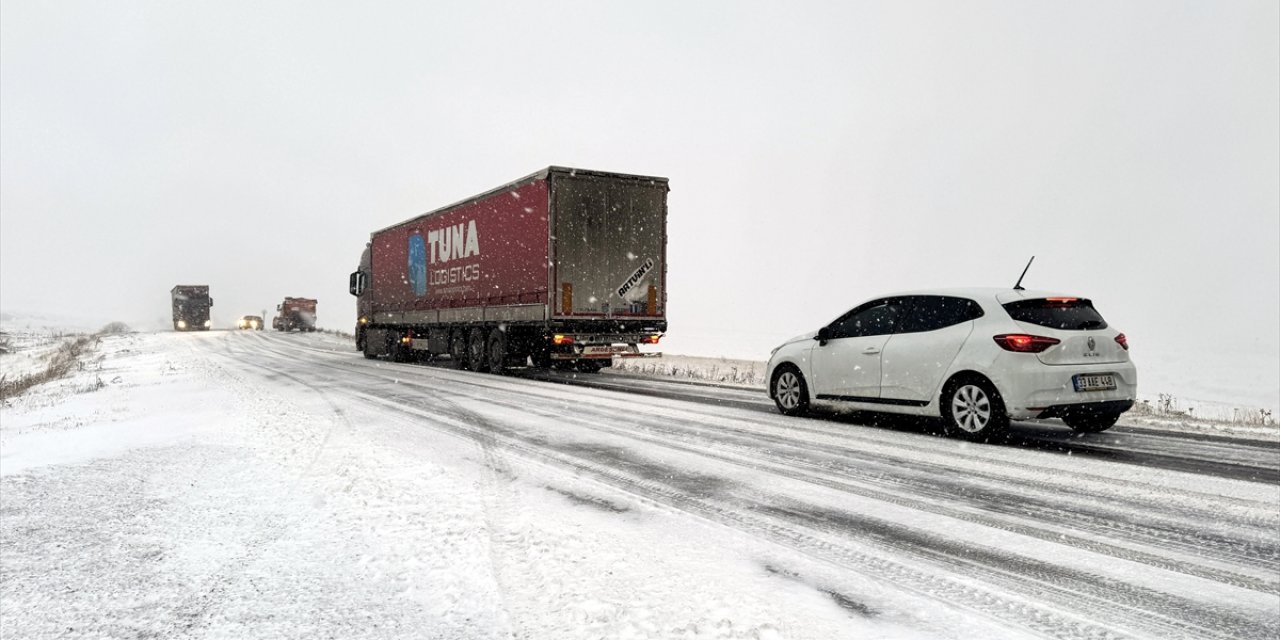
[(477, 350), (458, 347), (497, 351), (366, 347)]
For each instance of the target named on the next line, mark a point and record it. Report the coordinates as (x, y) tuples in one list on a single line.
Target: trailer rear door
[(610, 245)]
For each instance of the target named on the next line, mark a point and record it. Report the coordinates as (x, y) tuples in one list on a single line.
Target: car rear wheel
[(1091, 422), (790, 392), (972, 410)]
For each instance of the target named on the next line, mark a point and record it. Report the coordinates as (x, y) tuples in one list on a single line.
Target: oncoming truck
[(564, 267), (191, 303)]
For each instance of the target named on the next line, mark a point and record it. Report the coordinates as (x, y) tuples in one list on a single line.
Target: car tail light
[(1122, 341), (653, 339), (1024, 343), (562, 339)]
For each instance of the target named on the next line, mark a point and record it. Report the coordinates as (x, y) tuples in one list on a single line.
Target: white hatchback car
[(975, 357)]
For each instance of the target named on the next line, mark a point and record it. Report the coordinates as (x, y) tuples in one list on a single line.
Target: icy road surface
[(257, 485)]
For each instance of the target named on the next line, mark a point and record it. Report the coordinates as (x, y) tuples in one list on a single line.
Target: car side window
[(930, 313), (875, 318)]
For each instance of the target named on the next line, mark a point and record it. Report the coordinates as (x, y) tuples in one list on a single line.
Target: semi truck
[(295, 314), (191, 304), (563, 268)]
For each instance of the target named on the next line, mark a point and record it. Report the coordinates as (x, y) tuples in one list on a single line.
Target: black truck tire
[(497, 352), (477, 350)]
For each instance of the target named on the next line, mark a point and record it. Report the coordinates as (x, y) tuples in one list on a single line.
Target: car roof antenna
[(1018, 285)]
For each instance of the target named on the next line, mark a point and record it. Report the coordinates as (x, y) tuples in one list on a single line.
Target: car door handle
[(871, 351)]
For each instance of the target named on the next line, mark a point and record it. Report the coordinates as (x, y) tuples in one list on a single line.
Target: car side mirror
[(824, 334)]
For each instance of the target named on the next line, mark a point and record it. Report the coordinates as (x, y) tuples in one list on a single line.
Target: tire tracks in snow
[(812, 530), (497, 479), (1038, 500), (194, 611)]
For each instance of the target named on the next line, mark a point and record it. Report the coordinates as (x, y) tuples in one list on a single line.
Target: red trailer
[(565, 266)]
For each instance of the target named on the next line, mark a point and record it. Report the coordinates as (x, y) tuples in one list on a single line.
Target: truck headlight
[(208, 323), (182, 324)]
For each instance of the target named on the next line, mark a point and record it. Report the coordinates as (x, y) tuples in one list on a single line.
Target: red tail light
[(653, 339), (1122, 341), (1024, 343), (562, 339)]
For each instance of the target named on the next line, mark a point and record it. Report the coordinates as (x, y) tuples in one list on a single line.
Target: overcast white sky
[(819, 153)]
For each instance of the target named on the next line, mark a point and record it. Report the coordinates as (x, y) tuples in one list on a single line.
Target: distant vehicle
[(975, 357), (564, 267), (191, 304), (295, 314), (250, 322)]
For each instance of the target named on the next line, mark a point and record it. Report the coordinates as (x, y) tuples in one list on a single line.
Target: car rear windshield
[(1072, 314)]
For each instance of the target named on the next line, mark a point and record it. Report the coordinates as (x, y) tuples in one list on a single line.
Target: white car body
[(908, 371)]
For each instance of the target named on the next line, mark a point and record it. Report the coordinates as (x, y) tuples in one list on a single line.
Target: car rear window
[(1071, 314)]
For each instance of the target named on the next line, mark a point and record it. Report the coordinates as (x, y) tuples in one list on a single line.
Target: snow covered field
[(240, 484)]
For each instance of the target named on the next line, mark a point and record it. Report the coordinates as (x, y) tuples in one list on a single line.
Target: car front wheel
[(972, 410), (790, 392)]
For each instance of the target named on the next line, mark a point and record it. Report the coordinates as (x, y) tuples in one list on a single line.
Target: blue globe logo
[(418, 265)]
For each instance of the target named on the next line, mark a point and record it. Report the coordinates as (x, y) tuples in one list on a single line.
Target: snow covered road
[(264, 485)]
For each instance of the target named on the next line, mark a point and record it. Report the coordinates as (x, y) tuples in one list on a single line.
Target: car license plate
[(1094, 381)]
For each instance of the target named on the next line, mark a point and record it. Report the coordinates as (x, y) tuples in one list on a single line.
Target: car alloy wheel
[(971, 408), (790, 393)]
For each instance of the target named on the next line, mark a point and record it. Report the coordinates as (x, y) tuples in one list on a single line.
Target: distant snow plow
[(295, 314)]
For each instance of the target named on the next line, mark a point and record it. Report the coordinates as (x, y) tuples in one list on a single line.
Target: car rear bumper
[(1040, 391)]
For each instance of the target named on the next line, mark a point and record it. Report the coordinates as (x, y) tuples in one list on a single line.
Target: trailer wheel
[(477, 349), (458, 347), (497, 351)]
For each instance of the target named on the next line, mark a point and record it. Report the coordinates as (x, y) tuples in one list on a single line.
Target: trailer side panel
[(488, 253)]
